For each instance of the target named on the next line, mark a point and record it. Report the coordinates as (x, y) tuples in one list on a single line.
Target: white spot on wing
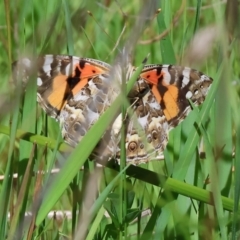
[(155, 105), (92, 116), (39, 81), (47, 64), (186, 76), (143, 121), (69, 69), (167, 76), (48, 60), (80, 97), (189, 94), (117, 125), (47, 69), (185, 81), (204, 77)]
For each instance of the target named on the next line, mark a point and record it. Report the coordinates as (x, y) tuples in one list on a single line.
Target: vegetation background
[(192, 194)]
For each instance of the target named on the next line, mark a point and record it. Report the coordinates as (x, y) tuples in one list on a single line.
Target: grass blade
[(73, 164)]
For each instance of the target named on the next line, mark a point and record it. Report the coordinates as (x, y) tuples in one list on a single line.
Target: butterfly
[(77, 91)]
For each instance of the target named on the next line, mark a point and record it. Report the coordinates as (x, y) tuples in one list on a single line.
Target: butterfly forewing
[(173, 87)]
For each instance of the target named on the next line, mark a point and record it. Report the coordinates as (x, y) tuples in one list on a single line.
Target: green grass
[(186, 196)]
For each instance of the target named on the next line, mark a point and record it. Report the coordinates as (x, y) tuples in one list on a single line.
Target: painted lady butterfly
[(76, 91)]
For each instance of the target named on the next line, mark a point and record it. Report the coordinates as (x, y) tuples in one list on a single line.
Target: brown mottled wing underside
[(77, 91)]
